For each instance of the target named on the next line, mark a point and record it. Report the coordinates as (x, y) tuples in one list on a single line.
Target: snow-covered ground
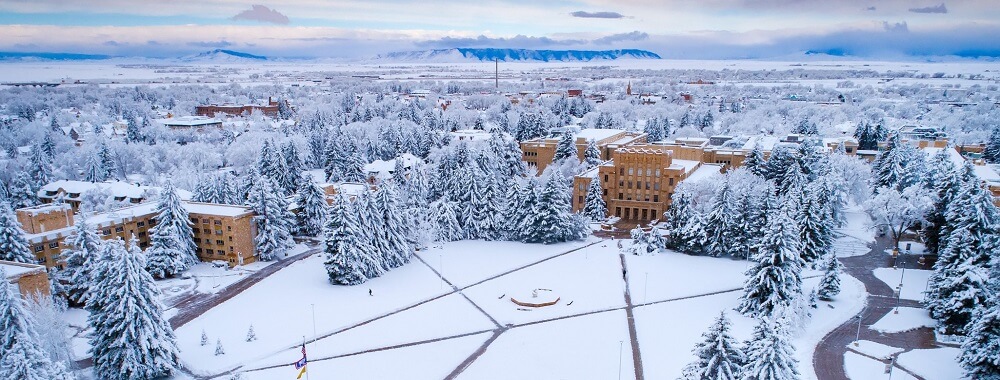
[(914, 281), (862, 368), (859, 225), (874, 349), (907, 318), (938, 363), (416, 317)]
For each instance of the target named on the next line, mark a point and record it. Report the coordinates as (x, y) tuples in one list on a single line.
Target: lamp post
[(621, 347), (857, 337)]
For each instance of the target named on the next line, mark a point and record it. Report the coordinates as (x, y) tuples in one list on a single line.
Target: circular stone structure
[(535, 298)]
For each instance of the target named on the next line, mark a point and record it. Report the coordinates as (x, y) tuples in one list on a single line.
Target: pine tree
[(815, 225), (272, 218), (653, 130), (293, 167), (204, 338), (829, 285), (552, 222), (107, 159), (595, 208), (992, 151), (130, 338), (49, 146), (566, 148), (944, 182), (26, 361), (13, 244), (312, 207), (592, 155), (93, 172), (348, 255), (14, 317), (981, 349), (132, 134), (961, 287), (722, 224), (218, 348), (172, 248), (718, 356), (770, 355), (21, 192), (83, 248), (776, 277), (754, 162), (391, 235), (41, 167)]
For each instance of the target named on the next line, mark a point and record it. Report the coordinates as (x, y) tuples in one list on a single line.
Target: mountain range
[(509, 55)]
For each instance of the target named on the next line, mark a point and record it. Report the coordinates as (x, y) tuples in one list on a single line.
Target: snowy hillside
[(222, 55), (507, 55)]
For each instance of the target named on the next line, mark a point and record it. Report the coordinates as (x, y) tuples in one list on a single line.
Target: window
[(580, 201), (209, 251), (656, 198), (605, 178), (629, 184), (657, 172), (141, 224), (39, 248), (218, 232), (631, 171), (621, 196), (218, 222), (197, 250), (142, 234), (196, 230), (106, 231), (621, 183), (194, 220), (647, 185), (670, 182), (618, 212), (656, 185), (230, 238), (204, 221), (605, 192), (649, 172), (197, 240), (120, 229), (220, 242), (621, 171), (229, 228)]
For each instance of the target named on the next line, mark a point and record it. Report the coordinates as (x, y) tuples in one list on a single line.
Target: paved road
[(828, 359)]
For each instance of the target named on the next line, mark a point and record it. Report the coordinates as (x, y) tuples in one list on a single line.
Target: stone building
[(539, 152), (30, 280)]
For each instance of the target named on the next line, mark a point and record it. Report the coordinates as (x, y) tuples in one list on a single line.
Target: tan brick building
[(221, 232), (539, 152), (213, 110), (30, 280), (638, 184)]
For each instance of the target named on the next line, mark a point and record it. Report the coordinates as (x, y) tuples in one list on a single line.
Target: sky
[(685, 29)]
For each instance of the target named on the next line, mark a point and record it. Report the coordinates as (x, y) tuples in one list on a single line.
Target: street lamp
[(857, 338), (621, 347)]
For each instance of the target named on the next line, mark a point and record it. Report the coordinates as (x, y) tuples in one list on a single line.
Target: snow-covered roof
[(705, 171), (15, 270), (117, 189), (955, 157), (189, 121), (383, 169), (470, 134), (44, 208), (987, 173), (216, 209), (686, 165), (597, 134)]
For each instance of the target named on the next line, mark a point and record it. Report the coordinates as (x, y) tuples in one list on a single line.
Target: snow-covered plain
[(862, 368), (938, 363), (874, 349)]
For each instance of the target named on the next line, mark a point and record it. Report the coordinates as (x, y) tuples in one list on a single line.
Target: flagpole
[(306, 356)]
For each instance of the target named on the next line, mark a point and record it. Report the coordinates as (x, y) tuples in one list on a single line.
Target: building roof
[(703, 172), (115, 188), (955, 157), (383, 169), (597, 134), (216, 209), (189, 121), (15, 270), (686, 165), (987, 173), (44, 208)]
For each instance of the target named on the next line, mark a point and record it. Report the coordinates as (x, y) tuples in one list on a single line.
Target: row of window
[(216, 222), (208, 231), (209, 241), (670, 181), (209, 251), (632, 171), (656, 197), (530, 154)]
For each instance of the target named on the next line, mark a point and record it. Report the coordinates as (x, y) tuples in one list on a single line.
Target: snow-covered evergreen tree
[(981, 348), (40, 168), (392, 232), (592, 155), (13, 244), (348, 255), (595, 208), (14, 317), (272, 218), (218, 347), (446, 221), (521, 203), (82, 249), (829, 285), (959, 288), (251, 335), (172, 248), (130, 338), (552, 222), (721, 223), (92, 171), (566, 148), (770, 354), (944, 184), (312, 207), (293, 167), (775, 279), (653, 130), (26, 361), (991, 153), (718, 355), (21, 192), (815, 225)]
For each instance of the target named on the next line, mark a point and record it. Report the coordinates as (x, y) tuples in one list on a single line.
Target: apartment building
[(213, 110), (221, 232), (539, 152), (29, 280)]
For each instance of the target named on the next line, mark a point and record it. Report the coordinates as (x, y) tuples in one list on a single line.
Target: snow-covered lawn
[(907, 319), (668, 331), (588, 347), (848, 246), (862, 368), (466, 262), (914, 281), (858, 225), (874, 349), (938, 363), (424, 362), (673, 275), (279, 308)]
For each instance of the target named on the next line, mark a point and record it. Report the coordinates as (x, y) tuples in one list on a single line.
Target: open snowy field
[(914, 281), (466, 321)]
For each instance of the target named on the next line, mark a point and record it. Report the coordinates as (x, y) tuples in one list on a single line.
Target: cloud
[(621, 37), (871, 8), (940, 8), (210, 44), (584, 14), (261, 13), (897, 27)]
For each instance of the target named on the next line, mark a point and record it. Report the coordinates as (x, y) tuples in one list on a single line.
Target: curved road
[(828, 359)]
